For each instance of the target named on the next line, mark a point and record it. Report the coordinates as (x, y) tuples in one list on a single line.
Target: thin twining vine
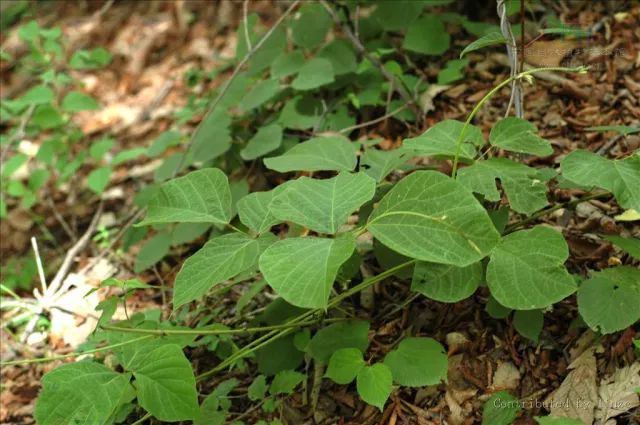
[(522, 75)]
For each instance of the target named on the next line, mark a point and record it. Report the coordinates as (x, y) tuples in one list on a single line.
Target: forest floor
[(155, 46)]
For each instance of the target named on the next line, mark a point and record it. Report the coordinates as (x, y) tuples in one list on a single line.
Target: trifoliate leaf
[(490, 39), (310, 27), (610, 300), (525, 188), (501, 409), (620, 177), (220, 259), (431, 217), (267, 139), (320, 153), (446, 283), (347, 334), (529, 323), (440, 141), (166, 385), (427, 35), (323, 205), (344, 365), (519, 135), (201, 196), (418, 362), (315, 73), (374, 384), (527, 272), (302, 270), (82, 393)]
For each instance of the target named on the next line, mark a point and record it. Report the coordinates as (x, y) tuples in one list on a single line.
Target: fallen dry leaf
[(616, 394)]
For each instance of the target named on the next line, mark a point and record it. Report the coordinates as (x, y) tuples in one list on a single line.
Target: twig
[(227, 84), (512, 54), (397, 86), (61, 220), (374, 121), (245, 18), (43, 280)]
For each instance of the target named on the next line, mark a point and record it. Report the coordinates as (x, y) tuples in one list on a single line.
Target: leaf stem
[(492, 92)]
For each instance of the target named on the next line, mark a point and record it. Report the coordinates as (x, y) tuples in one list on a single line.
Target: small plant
[(448, 233)]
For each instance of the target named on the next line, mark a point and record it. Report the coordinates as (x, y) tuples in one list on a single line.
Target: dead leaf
[(506, 377), (616, 394)]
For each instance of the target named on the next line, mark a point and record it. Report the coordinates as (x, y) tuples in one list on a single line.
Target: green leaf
[(259, 94), (525, 189), (201, 196), (526, 270), (453, 71), (100, 148), (212, 138), (529, 323), (220, 259), (557, 420), (267, 139), (75, 101), (302, 270), (166, 385), (490, 39), (575, 32), (164, 141), (258, 388), (397, 15), (323, 205), (427, 35), (300, 113), (46, 116), (285, 382), (379, 163), (501, 409), (37, 95), (497, 310), (98, 179), (316, 72), (440, 141), (347, 334), (82, 393), (152, 251), (187, 232), (519, 135), (286, 64), (90, 59), (620, 177), (310, 28), (344, 365), (278, 355), (341, 55), (610, 300), (629, 245), (625, 130), (127, 155), (254, 211), (374, 384), (418, 362), (319, 153), (446, 283), (431, 217)]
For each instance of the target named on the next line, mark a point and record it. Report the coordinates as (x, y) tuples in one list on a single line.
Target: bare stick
[(227, 84), (374, 121), (397, 86), (43, 280)]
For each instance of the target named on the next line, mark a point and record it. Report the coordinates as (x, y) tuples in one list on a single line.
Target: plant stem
[(142, 419), (76, 354), (493, 92), (273, 335), (556, 207), (167, 332)]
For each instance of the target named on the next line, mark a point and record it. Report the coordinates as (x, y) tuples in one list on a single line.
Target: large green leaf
[(396, 15), (525, 189), (310, 27), (431, 217), (84, 393), (323, 205), (527, 272), (418, 362), (486, 40), (347, 334), (267, 139), (201, 196), (254, 211), (620, 177), (166, 385), (320, 153), (446, 283), (519, 135), (221, 258), (315, 73), (440, 141), (610, 300), (302, 270), (374, 384), (427, 35), (344, 365)]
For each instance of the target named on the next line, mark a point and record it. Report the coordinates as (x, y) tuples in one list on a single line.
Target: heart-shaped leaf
[(440, 141), (320, 153), (519, 135), (418, 362)]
